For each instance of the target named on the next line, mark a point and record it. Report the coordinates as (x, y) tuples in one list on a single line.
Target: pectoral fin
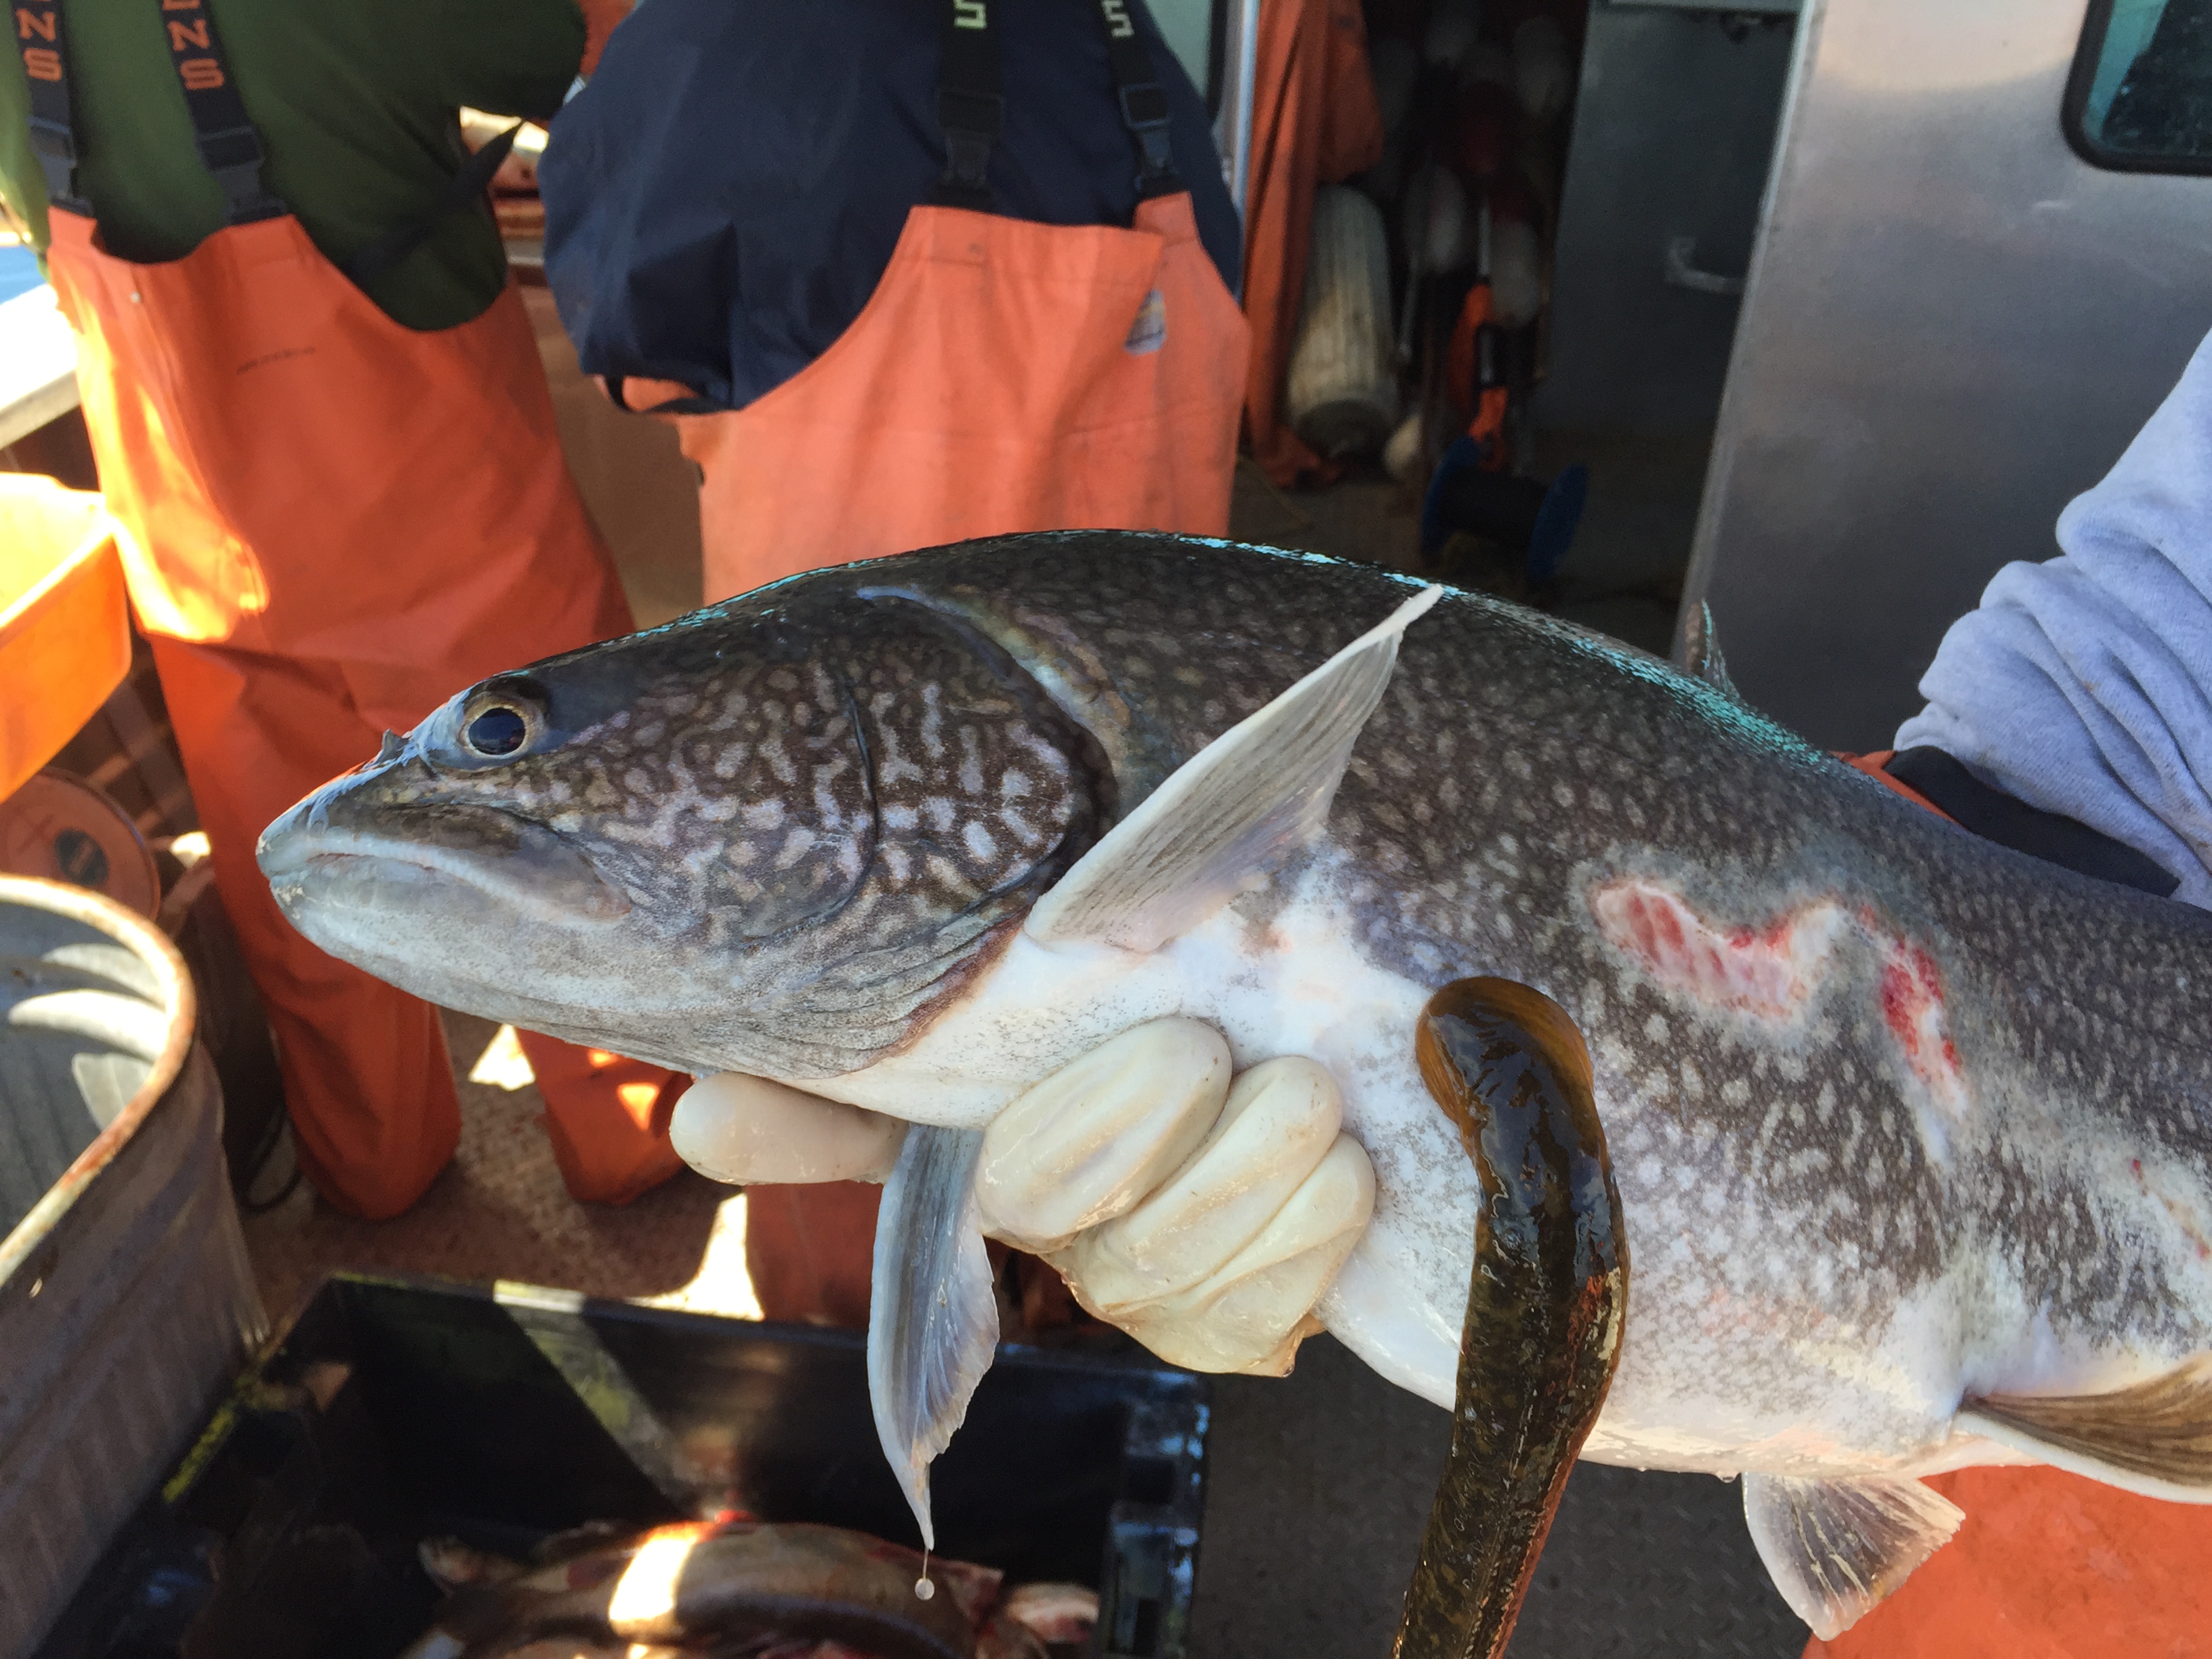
[(2155, 1438), (1240, 806), (1835, 1548), (933, 1320)]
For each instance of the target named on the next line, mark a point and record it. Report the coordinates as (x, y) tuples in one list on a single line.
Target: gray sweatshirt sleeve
[(2083, 685)]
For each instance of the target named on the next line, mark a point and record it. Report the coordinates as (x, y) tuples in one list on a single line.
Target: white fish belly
[(1694, 1392), (1291, 987)]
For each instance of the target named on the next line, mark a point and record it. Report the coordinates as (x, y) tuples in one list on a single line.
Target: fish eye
[(499, 725), (498, 731)]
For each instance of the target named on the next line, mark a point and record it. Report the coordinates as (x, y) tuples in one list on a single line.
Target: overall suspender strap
[(229, 147), (1144, 101), (970, 106), (44, 47)]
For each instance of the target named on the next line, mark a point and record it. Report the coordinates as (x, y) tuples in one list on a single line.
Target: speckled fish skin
[(1898, 1117), (786, 806)]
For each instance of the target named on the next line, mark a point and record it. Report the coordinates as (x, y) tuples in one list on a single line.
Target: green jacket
[(355, 101)]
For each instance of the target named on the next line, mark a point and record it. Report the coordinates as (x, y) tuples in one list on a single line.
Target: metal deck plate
[(1319, 1486)]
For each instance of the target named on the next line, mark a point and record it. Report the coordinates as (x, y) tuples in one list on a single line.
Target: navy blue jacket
[(725, 194)]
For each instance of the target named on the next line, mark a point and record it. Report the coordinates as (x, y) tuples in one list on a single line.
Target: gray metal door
[(1953, 323), (1675, 123)]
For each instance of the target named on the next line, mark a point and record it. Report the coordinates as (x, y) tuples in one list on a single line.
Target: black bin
[(399, 1408)]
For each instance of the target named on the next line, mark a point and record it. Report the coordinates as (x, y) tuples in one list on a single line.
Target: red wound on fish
[(1771, 972), (1912, 1007), (1767, 972)]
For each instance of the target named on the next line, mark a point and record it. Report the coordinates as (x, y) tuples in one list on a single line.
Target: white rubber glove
[(1205, 1219)]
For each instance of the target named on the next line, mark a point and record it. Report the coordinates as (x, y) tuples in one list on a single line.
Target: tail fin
[(2155, 1438)]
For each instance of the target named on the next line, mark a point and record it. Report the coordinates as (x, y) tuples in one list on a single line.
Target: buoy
[(1438, 230), (1341, 390), (1402, 456), (1516, 273)]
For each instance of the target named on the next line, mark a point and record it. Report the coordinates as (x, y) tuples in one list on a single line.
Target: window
[(2139, 97)]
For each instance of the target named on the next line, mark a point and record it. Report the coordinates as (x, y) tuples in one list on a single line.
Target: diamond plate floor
[(1320, 1483)]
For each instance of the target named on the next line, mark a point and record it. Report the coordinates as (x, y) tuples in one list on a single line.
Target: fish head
[(769, 836)]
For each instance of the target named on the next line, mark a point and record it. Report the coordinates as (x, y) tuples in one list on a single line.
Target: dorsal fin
[(1836, 1548), (2155, 1438), (1236, 810), (1701, 652)]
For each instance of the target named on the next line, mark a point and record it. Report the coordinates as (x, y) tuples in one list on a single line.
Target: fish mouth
[(474, 854)]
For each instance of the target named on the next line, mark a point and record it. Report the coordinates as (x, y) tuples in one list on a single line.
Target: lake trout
[(1911, 1133)]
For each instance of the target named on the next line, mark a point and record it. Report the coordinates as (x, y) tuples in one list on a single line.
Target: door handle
[(1680, 273)]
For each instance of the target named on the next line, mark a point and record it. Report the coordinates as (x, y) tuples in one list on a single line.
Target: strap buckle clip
[(971, 122), (53, 141), (1145, 112), (55, 146), (1144, 107), (231, 146), (234, 156)]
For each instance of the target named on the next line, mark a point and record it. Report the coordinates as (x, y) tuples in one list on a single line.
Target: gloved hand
[(1204, 1217)]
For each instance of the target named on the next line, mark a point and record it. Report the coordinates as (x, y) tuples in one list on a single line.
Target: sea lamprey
[(1544, 1309)]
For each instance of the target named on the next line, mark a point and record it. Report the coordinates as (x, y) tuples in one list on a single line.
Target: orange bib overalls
[(333, 523), (1005, 376)]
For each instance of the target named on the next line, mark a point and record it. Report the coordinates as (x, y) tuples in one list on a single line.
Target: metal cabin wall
[(1953, 325)]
